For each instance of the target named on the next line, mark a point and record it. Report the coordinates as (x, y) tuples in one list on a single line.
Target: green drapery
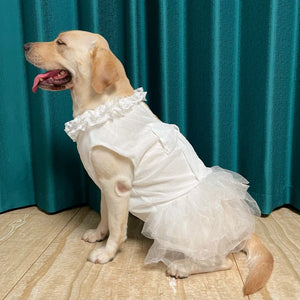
[(226, 72)]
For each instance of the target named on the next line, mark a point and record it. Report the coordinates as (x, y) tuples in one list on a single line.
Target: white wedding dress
[(191, 211)]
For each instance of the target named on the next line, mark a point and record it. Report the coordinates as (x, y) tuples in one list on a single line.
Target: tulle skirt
[(212, 220)]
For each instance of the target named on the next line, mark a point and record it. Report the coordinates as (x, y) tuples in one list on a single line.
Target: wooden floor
[(43, 257)]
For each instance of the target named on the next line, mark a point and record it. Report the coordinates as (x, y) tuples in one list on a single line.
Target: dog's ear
[(104, 69)]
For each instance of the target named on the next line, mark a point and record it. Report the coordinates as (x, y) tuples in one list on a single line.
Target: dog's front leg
[(114, 174), (101, 232), (117, 223)]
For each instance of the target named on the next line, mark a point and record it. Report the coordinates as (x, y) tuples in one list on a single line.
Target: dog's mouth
[(55, 80)]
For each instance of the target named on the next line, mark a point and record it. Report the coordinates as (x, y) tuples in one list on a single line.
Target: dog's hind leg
[(186, 267), (101, 232)]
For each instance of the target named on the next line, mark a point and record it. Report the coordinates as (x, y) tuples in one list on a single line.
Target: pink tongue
[(43, 76)]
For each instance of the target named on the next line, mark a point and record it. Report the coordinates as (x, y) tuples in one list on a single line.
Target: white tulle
[(110, 110), (212, 220)]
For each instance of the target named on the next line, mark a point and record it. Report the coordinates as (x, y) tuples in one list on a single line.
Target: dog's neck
[(86, 98)]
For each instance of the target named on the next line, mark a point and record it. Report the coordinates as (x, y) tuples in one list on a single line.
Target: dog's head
[(74, 58)]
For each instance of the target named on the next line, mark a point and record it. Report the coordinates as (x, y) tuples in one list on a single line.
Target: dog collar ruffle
[(108, 111)]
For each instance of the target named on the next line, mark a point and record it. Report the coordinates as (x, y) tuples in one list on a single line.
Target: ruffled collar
[(116, 108)]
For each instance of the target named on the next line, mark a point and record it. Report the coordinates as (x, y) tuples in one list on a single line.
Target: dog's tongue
[(43, 76)]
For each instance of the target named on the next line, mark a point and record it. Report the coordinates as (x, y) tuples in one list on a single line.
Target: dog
[(147, 167)]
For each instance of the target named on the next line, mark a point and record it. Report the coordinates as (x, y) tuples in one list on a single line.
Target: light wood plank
[(24, 235), (62, 272), (27, 210), (280, 232)]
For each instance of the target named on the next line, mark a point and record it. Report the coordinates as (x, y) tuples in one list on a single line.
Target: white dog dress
[(191, 211)]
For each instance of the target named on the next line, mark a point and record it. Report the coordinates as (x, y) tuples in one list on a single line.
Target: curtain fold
[(226, 72)]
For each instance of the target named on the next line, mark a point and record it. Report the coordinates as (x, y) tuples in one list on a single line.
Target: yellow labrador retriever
[(196, 215)]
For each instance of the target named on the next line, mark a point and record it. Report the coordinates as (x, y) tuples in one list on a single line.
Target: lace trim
[(108, 111)]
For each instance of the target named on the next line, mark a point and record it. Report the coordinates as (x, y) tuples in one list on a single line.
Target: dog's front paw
[(93, 235), (100, 256)]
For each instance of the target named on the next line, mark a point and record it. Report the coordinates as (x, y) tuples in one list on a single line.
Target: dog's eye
[(60, 42)]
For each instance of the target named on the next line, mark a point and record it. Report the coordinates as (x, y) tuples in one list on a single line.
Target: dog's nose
[(27, 47)]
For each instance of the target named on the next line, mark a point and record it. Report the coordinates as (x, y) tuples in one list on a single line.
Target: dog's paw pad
[(177, 270), (100, 256)]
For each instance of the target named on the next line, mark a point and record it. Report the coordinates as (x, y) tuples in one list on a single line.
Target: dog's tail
[(260, 262)]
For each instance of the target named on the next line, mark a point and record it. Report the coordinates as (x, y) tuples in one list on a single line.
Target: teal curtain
[(226, 72)]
